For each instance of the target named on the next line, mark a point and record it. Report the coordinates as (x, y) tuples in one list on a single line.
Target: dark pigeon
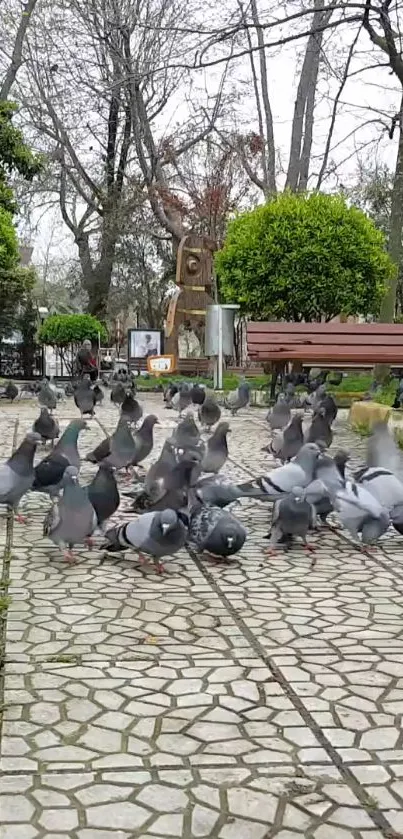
[(320, 428), (215, 531), (209, 413), (103, 494), (84, 397), (17, 473), (46, 426), (217, 449), (292, 516)]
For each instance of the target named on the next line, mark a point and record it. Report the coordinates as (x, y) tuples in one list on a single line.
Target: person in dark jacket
[(86, 362)]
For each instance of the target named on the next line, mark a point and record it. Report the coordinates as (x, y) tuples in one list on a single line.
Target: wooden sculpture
[(194, 280)]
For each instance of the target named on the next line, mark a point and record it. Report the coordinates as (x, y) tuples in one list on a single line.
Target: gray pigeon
[(280, 414), (320, 428), (209, 413), (104, 495), (46, 396), (99, 394), (122, 446), (46, 426), (316, 397), (215, 531), (331, 471), (329, 406), (292, 516), (182, 399), (360, 512), (156, 534), (216, 491), (11, 391), (48, 474), (84, 397), (186, 434), (282, 481), (285, 445), (383, 451), (144, 439), (217, 449), (170, 491), (238, 398), (73, 520), (17, 473), (131, 409), (118, 393)]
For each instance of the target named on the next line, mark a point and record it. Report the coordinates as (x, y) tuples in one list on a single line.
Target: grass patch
[(5, 601), (362, 428), (63, 659)]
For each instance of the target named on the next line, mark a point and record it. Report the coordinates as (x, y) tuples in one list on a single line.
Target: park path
[(259, 700)]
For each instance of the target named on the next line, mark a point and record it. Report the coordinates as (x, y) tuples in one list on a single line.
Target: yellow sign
[(160, 365)]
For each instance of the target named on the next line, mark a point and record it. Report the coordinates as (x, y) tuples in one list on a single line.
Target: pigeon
[(292, 516), (46, 426), (144, 439), (209, 413), (215, 531), (59, 393), (186, 434), (216, 491), (11, 391), (383, 451), (289, 394), (217, 449), (318, 395), (360, 512), (104, 495), (84, 397), (118, 393), (280, 414), (320, 428), (69, 389), (169, 392), (238, 398), (182, 399), (197, 394), (281, 481), (121, 445), (17, 473), (73, 520), (321, 491), (335, 378), (156, 534), (131, 409), (287, 444), (46, 396), (383, 485), (329, 406), (98, 393), (49, 473), (170, 490)]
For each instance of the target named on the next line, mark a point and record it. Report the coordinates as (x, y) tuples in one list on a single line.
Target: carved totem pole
[(194, 280)]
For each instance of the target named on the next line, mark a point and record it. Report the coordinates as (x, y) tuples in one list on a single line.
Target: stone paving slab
[(263, 699)]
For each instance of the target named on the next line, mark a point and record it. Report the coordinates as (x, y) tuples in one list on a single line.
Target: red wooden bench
[(362, 344)]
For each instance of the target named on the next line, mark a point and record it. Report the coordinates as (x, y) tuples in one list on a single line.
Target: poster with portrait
[(144, 343)]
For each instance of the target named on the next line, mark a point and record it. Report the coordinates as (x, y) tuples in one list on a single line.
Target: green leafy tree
[(15, 281), (304, 258), (15, 156), (67, 332)]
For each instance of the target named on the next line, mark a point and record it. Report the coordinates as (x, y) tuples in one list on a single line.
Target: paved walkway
[(255, 701)]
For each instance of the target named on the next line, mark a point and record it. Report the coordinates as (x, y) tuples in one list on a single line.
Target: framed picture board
[(144, 343)]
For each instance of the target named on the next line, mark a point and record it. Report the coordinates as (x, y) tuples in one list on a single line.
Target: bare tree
[(384, 32), (12, 61)]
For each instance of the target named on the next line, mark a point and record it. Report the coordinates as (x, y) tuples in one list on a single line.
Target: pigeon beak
[(165, 528)]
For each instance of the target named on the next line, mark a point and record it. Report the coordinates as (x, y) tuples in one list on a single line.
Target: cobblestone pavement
[(258, 700)]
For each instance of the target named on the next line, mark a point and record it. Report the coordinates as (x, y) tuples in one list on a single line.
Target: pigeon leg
[(89, 543), (159, 567), (68, 556)]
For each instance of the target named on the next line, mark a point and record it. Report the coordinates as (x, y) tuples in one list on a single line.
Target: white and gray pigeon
[(157, 535), (46, 396), (282, 481), (280, 414), (293, 516), (215, 531), (182, 399), (209, 413), (238, 398), (361, 513), (73, 519), (217, 449), (47, 426), (17, 473)]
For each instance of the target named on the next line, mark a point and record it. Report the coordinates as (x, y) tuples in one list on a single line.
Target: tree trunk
[(387, 313)]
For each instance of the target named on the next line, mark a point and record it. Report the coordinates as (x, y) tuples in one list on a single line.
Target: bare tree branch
[(17, 56)]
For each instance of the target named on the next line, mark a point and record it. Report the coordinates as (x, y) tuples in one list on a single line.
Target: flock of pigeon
[(183, 499)]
